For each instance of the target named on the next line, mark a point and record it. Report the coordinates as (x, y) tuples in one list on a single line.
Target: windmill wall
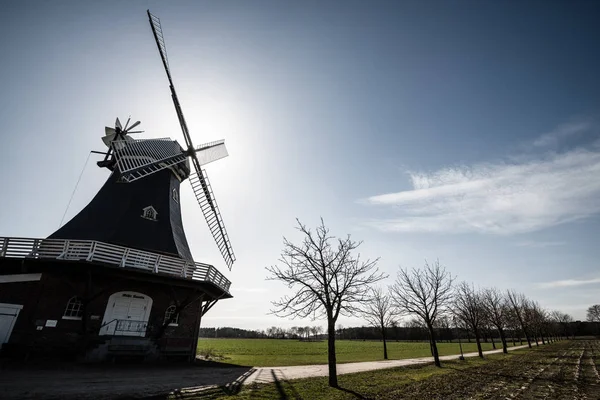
[(44, 327)]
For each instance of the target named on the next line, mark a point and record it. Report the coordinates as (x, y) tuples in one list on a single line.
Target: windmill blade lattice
[(208, 205)]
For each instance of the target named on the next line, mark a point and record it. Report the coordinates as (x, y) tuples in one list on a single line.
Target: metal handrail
[(94, 251)]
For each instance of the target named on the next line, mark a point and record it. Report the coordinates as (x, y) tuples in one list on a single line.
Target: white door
[(8, 317), (126, 314)]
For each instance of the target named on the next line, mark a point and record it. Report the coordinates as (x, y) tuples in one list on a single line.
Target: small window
[(74, 309), (175, 196), (169, 313)]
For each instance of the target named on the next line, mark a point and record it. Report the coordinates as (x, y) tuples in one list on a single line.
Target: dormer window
[(175, 196), (149, 213)]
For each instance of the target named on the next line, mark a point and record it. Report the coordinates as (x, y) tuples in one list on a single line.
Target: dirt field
[(567, 370)]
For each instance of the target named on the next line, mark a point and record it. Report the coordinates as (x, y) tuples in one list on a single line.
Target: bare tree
[(561, 322), (327, 280), (378, 312), (467, 306), (495, 308), (565, 321), (593, 313), (538, 320), (518, 304), (425, 292)]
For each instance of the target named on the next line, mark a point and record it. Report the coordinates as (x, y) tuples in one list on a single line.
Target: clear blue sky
[(464, 131)]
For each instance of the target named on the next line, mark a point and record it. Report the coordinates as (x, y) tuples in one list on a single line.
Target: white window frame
[(168, 313), (75, 300)]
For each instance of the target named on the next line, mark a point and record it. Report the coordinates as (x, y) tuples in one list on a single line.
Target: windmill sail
[(210, 152), (199, 179)]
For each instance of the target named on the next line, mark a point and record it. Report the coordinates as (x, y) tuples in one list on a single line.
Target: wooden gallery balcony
[(103, 253)]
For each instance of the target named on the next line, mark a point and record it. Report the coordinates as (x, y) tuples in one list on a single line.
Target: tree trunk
[(333, 382), (503, 340), (385, 355), (478, 341), (527, 337), (493, 342), (434, 350)]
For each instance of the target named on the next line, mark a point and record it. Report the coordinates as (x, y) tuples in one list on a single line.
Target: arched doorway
[(126, 314)]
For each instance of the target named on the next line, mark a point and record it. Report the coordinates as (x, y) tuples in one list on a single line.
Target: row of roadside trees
[(327, 279), (430, 295)]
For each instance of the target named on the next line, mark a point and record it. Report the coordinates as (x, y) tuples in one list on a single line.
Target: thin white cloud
[(563, 131), (568, 283), (501, 198)]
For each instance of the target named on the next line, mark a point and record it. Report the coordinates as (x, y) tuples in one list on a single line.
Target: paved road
[(272, 374), (103, 382)]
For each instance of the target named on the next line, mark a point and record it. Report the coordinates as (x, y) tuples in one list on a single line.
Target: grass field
[(277, 352)]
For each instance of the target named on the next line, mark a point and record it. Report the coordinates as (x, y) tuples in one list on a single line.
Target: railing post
[(64, 252), (35, 248), (4, 247), (183, 267), (90, 256), (124, 259), (157, 263)]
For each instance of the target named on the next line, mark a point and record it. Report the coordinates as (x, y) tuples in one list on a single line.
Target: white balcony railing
[(93, 251)]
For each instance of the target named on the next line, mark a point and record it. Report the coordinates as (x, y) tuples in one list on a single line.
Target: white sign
[(51, 323)]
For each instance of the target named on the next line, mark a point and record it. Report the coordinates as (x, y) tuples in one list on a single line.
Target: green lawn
[(277, 352)]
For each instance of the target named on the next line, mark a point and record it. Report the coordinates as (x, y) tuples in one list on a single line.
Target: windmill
[(120, 271), (138, 158)]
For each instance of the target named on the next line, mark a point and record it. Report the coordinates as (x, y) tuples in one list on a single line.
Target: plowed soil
[(566, 370)]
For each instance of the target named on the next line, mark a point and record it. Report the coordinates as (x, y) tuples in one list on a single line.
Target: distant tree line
[(410, 331), (274, 332)]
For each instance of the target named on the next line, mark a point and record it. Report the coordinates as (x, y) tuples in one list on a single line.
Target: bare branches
[(497, 312), (425, 292), (327, 278), (378, 311), (593, 313), (518, 304), (468, 307)]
